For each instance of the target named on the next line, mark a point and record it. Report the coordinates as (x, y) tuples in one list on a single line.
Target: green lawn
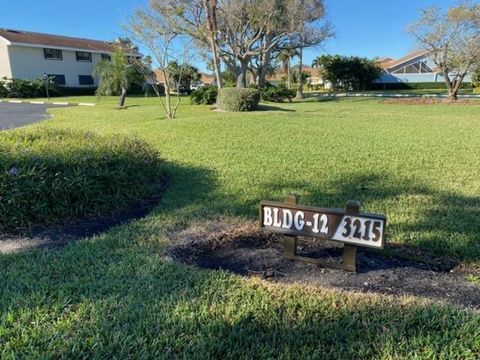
[(117, 295)]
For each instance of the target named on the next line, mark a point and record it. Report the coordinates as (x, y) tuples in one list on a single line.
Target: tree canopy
[(452, 38), (117, 74), (347, 72), (247, 29)]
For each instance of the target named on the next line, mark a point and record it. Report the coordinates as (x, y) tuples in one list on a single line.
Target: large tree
[(244, 30), (348, 73), (452, 38), (309, 30)]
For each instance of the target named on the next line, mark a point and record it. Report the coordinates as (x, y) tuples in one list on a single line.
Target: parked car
[(196, 85)]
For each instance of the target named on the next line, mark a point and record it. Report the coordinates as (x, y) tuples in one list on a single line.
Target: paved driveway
[(16, 115)]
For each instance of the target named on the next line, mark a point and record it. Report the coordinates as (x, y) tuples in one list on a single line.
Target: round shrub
[(238, 99), (205, 95), (49, 176)]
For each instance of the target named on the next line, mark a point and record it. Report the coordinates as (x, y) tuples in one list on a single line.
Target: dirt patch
[(61, 235), (431, 101), (246, 250)]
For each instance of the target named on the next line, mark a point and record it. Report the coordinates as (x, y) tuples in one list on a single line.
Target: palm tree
[(285, 57), (116, 75), (317, 62)]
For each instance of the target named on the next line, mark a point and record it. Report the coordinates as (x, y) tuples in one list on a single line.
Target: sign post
[(45, 77), (350, 227)]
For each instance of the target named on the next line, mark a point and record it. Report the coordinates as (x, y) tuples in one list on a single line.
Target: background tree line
[(349, 73)]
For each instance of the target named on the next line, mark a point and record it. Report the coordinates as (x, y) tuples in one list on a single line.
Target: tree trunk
[(265, 65), (121, 101), (262, 75), (242, 76), (212, 29), (300, 76), (289, 74), (168, 101), (452, 95)]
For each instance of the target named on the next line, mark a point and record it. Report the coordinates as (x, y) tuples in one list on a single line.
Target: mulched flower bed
[(431, 101), (245, 250)]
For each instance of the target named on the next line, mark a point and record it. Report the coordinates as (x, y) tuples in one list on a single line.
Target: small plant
[(205, 95), (238, 99), (48, 176), (473, 278)]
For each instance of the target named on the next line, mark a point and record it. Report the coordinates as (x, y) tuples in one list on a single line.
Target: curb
[(46, 103)]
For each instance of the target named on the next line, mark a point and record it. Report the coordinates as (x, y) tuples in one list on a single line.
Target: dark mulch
[(431, 101), (245, 250), (61, 235)]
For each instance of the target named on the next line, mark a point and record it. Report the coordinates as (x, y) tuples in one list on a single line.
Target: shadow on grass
[(116, 296), (192, 185), (315, 99), (441, 222), (268, 107), (133, 302)]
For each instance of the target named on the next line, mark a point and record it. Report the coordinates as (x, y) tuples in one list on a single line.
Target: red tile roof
[(279, 75), (207, 79), (59, 41)]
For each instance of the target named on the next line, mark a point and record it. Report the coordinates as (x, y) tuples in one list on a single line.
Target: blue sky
[(364, 27)]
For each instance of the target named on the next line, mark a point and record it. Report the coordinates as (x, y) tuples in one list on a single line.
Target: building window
[(84, 56), (57, 79), (425, 68), (52, 54), (106, 57), (85, 79)]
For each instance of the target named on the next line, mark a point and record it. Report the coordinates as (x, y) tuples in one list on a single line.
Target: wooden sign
[(349, 227)]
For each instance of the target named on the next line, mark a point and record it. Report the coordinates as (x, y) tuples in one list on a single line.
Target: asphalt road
[(16, 115)]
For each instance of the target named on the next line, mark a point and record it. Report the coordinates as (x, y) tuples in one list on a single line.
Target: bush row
[(277, 94), (205, 95), (24, 89), (48, 176)]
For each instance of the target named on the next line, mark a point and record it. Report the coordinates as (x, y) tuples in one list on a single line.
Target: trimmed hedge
[(17, 88), (49, 176), (205, 95), (29, 89), (238, 99), (25, 89), (277, 94), (414, 86)]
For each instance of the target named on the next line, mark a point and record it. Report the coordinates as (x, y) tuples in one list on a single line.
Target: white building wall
[(4, 60), (29, 63)]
